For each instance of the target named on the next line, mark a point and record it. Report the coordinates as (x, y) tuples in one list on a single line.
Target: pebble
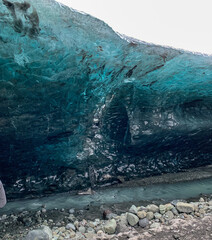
[(72, 234), (162, 209), (89, 235), (169, 215), (157, 215), (70, 226), (149, 215), (202, 211), (143, 222), (132, 219), (155, 225), (90, 230), (174, 210), (169, 206), (141, 214), (4, 217), (152, 208), (133, 209), (71, 211), (82, 229)]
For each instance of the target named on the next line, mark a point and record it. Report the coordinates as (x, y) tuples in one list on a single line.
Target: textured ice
[(81, 105)]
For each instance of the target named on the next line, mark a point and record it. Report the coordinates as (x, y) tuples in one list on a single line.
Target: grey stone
[(122, 225), (70, 226), (43, 210), (152, 208), (81, 229), (142, 208), (162, 209), (155, 225), (169, 215), (174, 202), (90, 230), (157, 215), (92, 224), (111, 216), (149, 215), (132, 219), (71, 217), (184, 207), (174, 210), (80, 236), (141, 214), (169, 206), (110, 226), (133, 209), (47, 230), (71, 211), (143, 222), (90, 235)]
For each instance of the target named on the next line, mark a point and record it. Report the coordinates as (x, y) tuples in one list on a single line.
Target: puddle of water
[(167, 192)]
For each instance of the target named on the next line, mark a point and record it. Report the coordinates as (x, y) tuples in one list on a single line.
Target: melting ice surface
[(82, 106)]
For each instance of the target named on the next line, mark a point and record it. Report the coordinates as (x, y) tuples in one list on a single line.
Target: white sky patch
[(185, 24)]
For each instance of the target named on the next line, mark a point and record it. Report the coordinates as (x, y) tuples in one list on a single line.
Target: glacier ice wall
[(83, 106)]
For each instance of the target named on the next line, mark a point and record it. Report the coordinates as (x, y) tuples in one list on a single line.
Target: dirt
[(194, 229)]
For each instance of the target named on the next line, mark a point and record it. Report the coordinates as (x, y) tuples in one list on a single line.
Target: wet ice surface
[(167, 192)]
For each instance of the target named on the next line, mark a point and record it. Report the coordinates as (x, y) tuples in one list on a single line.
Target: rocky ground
[(175, 220)]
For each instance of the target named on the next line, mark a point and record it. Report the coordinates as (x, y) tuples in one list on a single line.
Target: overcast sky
[(185, 24)]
